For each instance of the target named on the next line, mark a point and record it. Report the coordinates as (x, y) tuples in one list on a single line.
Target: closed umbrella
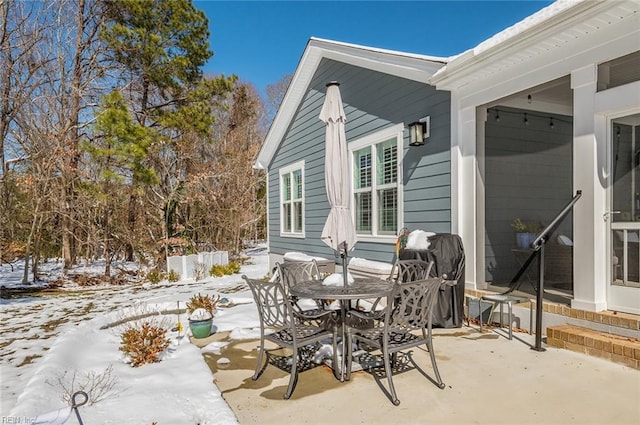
[(339, 231)]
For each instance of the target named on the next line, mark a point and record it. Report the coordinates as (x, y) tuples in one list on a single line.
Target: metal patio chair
[(406, 324), (410, 270), (289, 330), (401, 272), (293, 273)]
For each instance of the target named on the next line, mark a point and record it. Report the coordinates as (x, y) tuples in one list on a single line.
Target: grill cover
[(447, 253)]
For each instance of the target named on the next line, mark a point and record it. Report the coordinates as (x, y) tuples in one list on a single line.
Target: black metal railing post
[(539, 294)]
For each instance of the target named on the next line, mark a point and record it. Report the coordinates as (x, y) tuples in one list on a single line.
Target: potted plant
[(200, 309), (525, 232)]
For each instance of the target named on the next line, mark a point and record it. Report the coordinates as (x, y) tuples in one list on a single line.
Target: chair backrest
[(294, 272), (410, 270), (272, 303), (413, 304)]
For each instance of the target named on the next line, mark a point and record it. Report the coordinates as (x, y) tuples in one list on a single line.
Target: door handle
[(608, 214)]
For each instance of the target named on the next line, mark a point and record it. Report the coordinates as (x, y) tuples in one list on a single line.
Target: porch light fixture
[(419, 131)]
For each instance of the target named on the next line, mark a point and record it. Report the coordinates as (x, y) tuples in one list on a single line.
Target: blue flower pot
[(523, 240), (200, 328)]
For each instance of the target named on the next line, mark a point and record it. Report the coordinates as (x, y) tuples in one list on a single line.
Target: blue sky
[(260, 41)]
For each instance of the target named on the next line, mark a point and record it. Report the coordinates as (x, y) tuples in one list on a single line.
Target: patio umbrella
[(339, 231)]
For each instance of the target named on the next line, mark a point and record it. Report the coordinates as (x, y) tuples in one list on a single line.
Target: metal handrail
[(538, 250), (551, 227), (538, 244)]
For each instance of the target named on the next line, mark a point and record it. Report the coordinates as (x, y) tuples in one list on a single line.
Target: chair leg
[(348, 362), (480, 313), (387, 369), (432, 354), (293, 379), (346, 346), (260, 367), (510, 310)]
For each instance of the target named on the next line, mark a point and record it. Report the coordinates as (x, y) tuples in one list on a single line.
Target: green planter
[(200, 328)]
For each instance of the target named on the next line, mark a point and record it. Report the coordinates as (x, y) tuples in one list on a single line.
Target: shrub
[(205, 302), (154, 276), (233, 267), (144, 345), (219, 270), (216, 270), (98, 385), (173, 276)]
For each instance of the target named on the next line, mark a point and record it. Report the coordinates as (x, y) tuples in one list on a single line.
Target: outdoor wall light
[(419, 131)]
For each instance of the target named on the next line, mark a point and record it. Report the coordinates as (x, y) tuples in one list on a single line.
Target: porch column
[(589, 227), (464, 206)]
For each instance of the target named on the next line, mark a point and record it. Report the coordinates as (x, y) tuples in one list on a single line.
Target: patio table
[(362, 288)]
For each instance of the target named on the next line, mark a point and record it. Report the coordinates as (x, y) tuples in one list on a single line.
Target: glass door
[(624, 213)]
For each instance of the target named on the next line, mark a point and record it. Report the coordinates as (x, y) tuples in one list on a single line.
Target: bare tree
[(222, 202), (275, 95), (80, 66), (188, 173), (21, 30)]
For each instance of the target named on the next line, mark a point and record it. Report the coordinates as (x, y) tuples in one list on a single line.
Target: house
[(517, 125)]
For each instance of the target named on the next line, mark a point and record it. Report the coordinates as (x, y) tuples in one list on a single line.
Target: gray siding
[(528, 176), (372, 101)]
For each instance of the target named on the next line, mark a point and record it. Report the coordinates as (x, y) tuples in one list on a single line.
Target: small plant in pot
[(201, 309), (525, 232)]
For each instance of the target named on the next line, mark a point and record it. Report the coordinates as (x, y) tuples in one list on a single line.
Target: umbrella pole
[(343, 254)]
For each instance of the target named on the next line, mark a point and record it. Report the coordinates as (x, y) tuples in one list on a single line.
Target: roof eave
[(556, 17)]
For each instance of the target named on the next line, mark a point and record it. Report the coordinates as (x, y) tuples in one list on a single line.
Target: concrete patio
[(488, 378)]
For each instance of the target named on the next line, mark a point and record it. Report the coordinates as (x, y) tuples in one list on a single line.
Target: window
[(292, 200), (377, 184)]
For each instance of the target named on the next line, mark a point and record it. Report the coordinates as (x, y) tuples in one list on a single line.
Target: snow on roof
[(506, 37), (531, 21)]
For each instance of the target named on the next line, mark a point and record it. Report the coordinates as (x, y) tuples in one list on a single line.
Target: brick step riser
[(610, 347)]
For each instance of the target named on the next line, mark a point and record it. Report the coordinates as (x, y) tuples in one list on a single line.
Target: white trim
[(378, 239), (292, 167), (553, 24), (267, 226), (406, 65), (395, 131), (616, 103), (386, 133), (593, 37), (619, 101), (281, 172)]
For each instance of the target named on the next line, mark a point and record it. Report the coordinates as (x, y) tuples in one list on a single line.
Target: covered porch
[(573, 76)]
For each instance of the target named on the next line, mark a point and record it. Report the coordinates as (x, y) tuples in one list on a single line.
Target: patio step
[(616, 348)]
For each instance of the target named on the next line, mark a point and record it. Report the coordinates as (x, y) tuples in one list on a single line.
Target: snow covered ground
[(47, 342)]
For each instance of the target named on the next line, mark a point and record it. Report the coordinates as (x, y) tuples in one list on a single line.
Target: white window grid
[(374, 183), (292, 203)]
